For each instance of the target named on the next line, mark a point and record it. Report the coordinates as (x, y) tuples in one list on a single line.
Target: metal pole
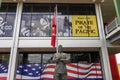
[(56, 30)]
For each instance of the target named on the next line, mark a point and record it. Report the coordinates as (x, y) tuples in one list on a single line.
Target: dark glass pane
[(4, 7), (41, 8), (91, 9), (85, 57), (63, 9), (12, 7), (81, 9), (4, 58), (27, 8)]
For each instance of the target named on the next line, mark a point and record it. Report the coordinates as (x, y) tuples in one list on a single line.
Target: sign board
[(84, 25)]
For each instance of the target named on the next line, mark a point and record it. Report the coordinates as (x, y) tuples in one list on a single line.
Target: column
[(103, 50), (14, 48)]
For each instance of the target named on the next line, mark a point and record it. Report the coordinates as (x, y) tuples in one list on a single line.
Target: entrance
[(82, 66), (36, 66)]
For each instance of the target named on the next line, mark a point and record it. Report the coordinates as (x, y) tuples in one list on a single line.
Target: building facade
[(25, 39)]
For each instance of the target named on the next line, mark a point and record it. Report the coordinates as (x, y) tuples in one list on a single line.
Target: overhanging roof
[(57, 1)]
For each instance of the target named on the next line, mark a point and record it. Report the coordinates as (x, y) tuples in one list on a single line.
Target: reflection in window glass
[(34, 58), (4, 58), (47, 58), (7, 18), (4, 63), (27, 58)]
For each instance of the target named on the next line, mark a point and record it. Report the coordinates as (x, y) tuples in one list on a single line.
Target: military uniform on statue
[(60, 59)]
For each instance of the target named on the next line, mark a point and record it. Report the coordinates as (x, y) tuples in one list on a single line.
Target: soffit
[(108, 10)]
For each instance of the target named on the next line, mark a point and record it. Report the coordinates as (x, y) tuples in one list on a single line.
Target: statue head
[(60, 48)]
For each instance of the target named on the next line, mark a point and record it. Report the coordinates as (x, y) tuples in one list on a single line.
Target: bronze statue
[(60, 59)]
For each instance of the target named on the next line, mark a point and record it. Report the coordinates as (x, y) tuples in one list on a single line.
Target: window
[(83, 65), (4, 63), (4, 58), (85, 57), (7, 18), (29, 58), (82, 9), (37, 18)]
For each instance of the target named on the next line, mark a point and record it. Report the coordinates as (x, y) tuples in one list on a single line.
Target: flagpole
[(56, 29)]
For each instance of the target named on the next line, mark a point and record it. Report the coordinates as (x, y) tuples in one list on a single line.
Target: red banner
[(114, 67), (53, 39)]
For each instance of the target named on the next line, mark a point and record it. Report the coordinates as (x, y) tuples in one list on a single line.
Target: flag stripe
[(82, 66), (48, 72)]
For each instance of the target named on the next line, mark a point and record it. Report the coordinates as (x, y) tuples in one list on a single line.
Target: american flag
[(75, 71)]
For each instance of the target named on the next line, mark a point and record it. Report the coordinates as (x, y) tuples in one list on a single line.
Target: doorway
[(82, 66)]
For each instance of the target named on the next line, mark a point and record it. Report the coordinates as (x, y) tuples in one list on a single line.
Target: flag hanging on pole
[(54, 24)]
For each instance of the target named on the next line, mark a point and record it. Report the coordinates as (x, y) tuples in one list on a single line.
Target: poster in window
[(6, 24), (8, 29), (84, 25), (40, 25), (25, 25), (64, 25)]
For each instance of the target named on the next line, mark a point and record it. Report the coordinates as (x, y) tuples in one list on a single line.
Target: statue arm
[(55, 58), (66, 59)]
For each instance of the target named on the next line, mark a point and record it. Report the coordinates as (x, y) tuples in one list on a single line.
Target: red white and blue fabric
[(75, 71)]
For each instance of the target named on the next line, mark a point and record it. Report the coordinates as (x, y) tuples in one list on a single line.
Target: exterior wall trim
[(103, 52), (14, 48)]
